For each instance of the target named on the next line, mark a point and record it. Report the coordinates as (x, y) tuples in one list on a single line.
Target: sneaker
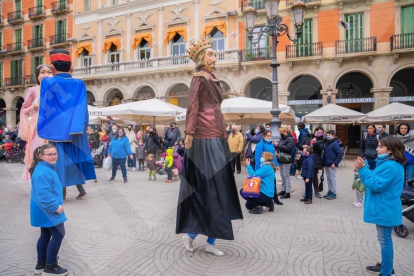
[(299, 177), (376, 269), (125, 180), (188, 243), (39, 268), (355, 203), (318, 195), (359, 204), (303, 199), (308, 202), (256, 210), (212, 249), (287, 195), (169, 181), (81, 195), (112, 178), (332, 196), (134, 169), (54, 269), (328, 194), (64, 200)]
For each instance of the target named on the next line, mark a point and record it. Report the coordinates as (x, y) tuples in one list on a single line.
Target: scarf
[(265, 163), (408, 140)]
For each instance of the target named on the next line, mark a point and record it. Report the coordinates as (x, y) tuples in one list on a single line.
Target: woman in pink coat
[(28, 118)]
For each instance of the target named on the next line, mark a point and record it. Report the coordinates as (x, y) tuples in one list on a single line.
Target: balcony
[(60, 7), (361, 45), (38, 12), (301, 51), (402, 43), (255, 54), (1, 21), (17, 81), (257, 4), (38, 44), (16, 17), (310, 2), (31, 80), (57, 41), (15, 48)]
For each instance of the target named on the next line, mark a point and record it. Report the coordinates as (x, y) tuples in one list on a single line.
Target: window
[(114, 2), (86, 59), (37, 36), (36, 61), (18, 7), (304, 44), (217, 38), (407, 19), (16, 69), (87, 5), (144, 51), (60, 31), (260, 50), (39, 7), (18, 39), (113, 54), (355, 34), (178, 45)]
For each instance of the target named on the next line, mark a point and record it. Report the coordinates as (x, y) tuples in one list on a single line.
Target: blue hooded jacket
[(267, 174), (302, 134), (120, 147), (383, 188), (332, 153), (261, 147), (308, 167)]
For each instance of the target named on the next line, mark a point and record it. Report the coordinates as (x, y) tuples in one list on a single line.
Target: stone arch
[(17, 102), (15, 99), (108, 91), (226, 80), (2, 112), (302, 73), (250, 79), (396, 70), (90, 97), (178, 81), (180, 99), (141, 85), (364, 71)]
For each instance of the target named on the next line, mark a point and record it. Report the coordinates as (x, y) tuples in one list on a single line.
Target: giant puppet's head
[(202, 53), (61, 60)]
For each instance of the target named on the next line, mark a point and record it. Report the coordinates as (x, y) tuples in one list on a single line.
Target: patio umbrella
[(333, 114), (392, 113), (146, 111)]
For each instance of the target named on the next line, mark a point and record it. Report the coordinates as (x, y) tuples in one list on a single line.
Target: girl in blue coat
[(383, 188), (119, 150), (46, 210)]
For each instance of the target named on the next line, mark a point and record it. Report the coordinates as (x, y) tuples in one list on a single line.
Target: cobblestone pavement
[(128, 229)]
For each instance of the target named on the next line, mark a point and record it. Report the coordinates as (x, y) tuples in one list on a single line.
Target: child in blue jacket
[(308, 172), (46, 210)]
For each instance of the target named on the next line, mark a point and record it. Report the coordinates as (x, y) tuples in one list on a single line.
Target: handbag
[(284, 157), (251, 187), (320, 188), (106, 165)]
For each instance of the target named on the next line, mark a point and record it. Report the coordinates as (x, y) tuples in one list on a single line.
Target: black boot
[(125, 180), (112, 178), (287, 195), (39, 268), (54, 269), (277, 201), (271, 205), (281, 193)]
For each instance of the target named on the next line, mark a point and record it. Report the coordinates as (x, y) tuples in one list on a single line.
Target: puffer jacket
[(286, 145), (332, 153), (261, 147), (302, 134), (317, 152), (368, 146), (178, 162), (308, 167)]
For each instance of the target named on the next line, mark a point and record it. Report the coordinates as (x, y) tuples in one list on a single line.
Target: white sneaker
[(188, 243), (299, 177), (212, 249), (134, 169)]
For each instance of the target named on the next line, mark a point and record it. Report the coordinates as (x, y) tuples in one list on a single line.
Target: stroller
[(160, 167), (97, 155), (407, 198)]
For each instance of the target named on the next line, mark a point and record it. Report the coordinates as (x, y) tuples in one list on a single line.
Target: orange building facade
[(29, 29)]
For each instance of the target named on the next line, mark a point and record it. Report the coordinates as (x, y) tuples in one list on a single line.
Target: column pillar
[(99, 53), (10, 116), (128, 35), (160, 30), (196, 19), (324, 94), (283, 97), (381, 96)]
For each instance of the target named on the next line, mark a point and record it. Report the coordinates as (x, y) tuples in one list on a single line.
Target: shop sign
[(298, 102), (397, 117), (335, 118), (95, 113), (402, 99), (144, 95), (179, 93), (355, 100)]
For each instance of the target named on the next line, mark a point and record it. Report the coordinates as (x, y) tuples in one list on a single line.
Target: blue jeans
[(132, 163), (372, 163), (387, 250), (409, 172), (308, 189), (119, 162), (169, 173), (49, 243), (211, 241)]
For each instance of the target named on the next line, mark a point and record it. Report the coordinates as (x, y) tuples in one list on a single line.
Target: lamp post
[(274, 28)]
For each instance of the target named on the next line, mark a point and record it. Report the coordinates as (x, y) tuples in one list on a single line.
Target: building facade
[(28, 30)]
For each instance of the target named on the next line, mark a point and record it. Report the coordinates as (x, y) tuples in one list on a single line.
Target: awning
[(177, 30), (220, 25), (139, 37), (83, 46), (108, 43)]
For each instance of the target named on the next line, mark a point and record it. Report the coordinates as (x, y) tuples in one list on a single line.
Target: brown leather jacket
[(204, 117)]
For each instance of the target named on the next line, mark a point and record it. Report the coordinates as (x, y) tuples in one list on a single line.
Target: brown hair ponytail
[(269, 158), (36, 157)]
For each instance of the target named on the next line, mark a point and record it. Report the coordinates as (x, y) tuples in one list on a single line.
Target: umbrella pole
[(154, 122)]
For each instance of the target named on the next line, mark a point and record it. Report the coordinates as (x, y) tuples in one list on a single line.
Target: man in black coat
[(172, 135)]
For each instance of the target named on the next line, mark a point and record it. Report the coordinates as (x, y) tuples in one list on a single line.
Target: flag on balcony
[(177, 30), (220, 25), (83, 46), (108, 43), (139, 37)]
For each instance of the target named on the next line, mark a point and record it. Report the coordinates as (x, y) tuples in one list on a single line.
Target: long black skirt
[(208, 199)]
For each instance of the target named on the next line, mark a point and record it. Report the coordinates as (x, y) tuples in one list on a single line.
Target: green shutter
[(33, 66), (13, 69), (18, 35), (304, 44), (355, 34), (35, 37), (407, 20), (18, 5), (40, 31), (39, 3)]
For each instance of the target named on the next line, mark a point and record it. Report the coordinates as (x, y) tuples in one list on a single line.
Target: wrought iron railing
[(60, 6), (255, 54), (58, 39), (290, 2), (31, 79), (368, 44), (304, 50), (15, 47), (36, 43), (37, 11), (14, 16), (402, 41), (257, 4), (14, 81)]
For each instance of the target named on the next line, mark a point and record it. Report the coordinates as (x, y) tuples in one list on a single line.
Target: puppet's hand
[(188, 141)]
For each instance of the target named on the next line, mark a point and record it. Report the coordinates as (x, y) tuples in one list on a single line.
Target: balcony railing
[(402, 41), (1, 21), (36, 12), (60, 6), (368, 44), (17, 81), (31, 79), (36, 43), (15, 47), (58, 39), (255, 54), (304, 50), (15, 17), (290, 2), (257, 4)]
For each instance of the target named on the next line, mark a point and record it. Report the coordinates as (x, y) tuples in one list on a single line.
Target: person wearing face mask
[(172, 136), (317, 143), (235, 141), (228, 129), (285, 147), (253, 140), (331, 158), (140, 155), (113, 132), (118, 151), (381, 130), (153, 143), (130, 134), (368, 146), (267, 126), (404, 133)]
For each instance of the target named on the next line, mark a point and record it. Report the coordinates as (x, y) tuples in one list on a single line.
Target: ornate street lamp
[(274, 28)]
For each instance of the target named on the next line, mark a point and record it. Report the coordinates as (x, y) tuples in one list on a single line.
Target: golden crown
[(197, 47)]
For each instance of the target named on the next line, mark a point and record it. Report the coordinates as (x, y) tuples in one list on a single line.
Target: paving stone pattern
[(128, 229)]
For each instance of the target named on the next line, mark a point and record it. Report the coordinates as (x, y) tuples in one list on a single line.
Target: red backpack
[(7, 146)]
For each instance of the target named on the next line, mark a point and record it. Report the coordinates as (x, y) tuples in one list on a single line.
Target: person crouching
[(308, 173)]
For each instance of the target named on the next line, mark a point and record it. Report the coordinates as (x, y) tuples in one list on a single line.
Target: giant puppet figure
[(63, 118), (208, 199)]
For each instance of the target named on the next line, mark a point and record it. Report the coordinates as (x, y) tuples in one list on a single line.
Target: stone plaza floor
[(129, 229)]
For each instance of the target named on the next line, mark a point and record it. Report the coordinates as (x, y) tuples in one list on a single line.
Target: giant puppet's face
[(210, 59), (44, 72)]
